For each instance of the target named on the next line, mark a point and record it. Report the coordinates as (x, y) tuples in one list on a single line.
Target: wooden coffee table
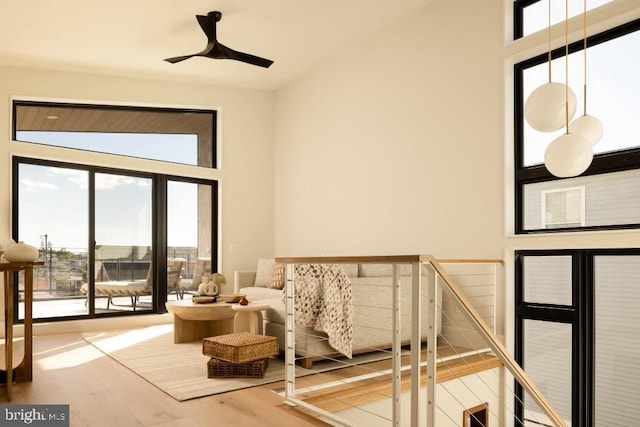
[(192, 321)]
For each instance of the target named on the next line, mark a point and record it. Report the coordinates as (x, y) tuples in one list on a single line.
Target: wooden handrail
[(501, 352), (471, 261), (378, 259), (384, 259)]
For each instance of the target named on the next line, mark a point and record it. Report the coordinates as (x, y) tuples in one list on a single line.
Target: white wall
[(404, 144), (396, 146), (247, 173)]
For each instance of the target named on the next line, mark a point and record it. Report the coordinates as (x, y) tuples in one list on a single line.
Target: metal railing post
[(290, 335), (432, 346), (396, 348), (416, 342)]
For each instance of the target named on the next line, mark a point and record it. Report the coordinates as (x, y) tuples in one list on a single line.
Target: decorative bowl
[(232, 297), (21, 252)]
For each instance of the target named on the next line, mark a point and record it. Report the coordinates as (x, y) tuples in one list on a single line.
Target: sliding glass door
[(123, 242), (189, 240), (113, 242), (53, 206)]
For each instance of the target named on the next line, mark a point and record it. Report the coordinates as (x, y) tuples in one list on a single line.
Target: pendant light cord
[(566, 62), (585, 57), (549, 39)]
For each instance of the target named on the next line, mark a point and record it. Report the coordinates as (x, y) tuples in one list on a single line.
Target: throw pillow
[(264, 273), (278, 277)]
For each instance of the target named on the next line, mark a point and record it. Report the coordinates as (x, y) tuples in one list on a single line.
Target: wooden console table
[(24, 369)]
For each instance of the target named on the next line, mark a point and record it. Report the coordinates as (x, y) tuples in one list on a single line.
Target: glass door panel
[(53, 216), (189, 230), (123, 235), (548, 279), (547, 361)]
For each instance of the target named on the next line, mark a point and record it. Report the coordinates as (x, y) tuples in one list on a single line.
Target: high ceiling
[(131, 37)]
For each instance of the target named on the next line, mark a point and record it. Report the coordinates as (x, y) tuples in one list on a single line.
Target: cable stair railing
[(417, 378)]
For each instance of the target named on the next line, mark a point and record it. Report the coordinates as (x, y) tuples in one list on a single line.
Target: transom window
[(168, 135), (533, 15)]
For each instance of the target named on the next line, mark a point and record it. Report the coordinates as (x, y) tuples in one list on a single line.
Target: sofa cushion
[(276, 311), (374, 270), (351, 270), (258, 293), (382, 270), (264, 273), (277, 282)]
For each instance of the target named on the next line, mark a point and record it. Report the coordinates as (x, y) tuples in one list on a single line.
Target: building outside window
[(563, 208)]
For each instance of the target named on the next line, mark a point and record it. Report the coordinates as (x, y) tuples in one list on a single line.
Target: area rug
[(180, 370)]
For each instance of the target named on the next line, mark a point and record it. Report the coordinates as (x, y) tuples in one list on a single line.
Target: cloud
[(103, 181), (30, 185), (78, 177), (109, 182)]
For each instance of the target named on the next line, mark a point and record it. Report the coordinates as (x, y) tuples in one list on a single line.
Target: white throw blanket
[(324, 302)]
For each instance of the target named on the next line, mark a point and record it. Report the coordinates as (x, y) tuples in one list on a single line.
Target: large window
[(575, 309), (576, 334), (114, 240), (611, 185)]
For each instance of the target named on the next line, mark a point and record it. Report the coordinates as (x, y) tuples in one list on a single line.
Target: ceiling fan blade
[(223, 52), (178, 58)]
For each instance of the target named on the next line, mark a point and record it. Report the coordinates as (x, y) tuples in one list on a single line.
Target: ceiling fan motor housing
[(215, 15)]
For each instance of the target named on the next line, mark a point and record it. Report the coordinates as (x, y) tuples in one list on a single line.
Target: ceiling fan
[(217, 50)]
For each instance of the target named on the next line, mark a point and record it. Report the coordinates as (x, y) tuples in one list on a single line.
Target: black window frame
[(518, 16), (580, 314), (159, 235), (608, 162)]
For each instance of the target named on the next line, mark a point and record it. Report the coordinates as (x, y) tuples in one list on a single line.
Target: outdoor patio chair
[(137, 288), (202, 268)]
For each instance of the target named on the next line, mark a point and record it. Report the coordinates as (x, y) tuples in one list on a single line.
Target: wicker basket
[(240, 347), (220, 368)]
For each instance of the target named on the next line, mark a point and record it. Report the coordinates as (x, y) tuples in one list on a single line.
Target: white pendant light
[(588, 126), (570, 154), (545, 108)]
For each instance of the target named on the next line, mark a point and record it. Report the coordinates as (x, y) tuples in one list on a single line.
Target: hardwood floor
[(101, 392), (354, 394)]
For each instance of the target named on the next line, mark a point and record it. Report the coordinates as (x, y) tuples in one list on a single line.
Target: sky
[(608, 65), (537, 16), (54, 201)]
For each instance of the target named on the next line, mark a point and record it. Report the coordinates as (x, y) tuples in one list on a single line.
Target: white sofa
[(372, 300)]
